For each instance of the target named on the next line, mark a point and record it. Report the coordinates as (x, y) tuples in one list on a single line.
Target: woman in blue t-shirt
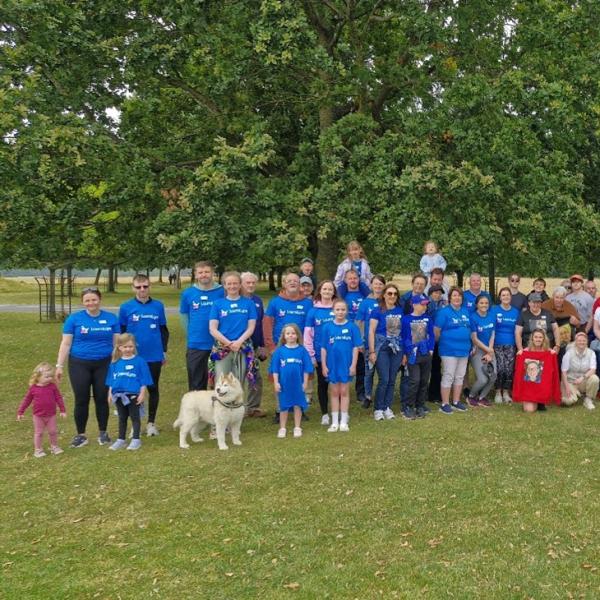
[(483, 329), (505, 346), (88, 339), (385, 349), (453, 331)]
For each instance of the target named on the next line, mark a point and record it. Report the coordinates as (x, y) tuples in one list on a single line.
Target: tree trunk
[(70, 290), (97, 280), (272, 287), (52, 294), (460, 276), (279, 277), (492, 273), (160, 274), (111, 278)]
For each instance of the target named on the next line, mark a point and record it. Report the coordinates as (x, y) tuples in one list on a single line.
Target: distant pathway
[(34, 308)]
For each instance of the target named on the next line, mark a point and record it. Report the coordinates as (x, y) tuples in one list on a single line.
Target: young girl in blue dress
[(339, 354), (128, 380), (290, 367)]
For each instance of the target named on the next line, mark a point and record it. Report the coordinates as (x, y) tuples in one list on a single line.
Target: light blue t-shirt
[(285, 311), (469, 299), (92, 336), (483, 326), (317, 318), (233, 316), (366, 308), (144, 320), (506, 321), (455, 335), (128, 375), (196, 304)]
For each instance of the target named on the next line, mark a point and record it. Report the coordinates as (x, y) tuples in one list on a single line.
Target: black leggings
[(153, 393), (132, 410), (322, 389), (86, 374), (197, 369)]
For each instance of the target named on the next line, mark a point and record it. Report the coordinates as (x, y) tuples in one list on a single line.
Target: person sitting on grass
[(290, 367), (579, 373), (536, 381)]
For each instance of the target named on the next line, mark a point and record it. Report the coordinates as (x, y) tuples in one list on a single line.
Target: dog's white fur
[(222, 407)]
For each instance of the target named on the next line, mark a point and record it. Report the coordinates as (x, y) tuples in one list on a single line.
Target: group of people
[(529, 348)]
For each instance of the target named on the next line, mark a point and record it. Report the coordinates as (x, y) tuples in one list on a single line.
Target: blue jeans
[(387, 365)]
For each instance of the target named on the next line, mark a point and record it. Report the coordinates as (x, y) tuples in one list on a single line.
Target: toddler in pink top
[(45, 397)]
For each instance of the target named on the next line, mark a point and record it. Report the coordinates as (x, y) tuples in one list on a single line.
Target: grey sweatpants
[(484, 380)]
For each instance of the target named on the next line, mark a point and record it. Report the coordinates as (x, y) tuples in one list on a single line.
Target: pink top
[(45, 399)]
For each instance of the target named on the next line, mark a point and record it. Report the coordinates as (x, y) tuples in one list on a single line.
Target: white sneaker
[(344, 427), (151, 429), (507, 398), (587, 403), (378, 415), (325, 420), (281, 433), (39, 454), (333, 428), (498, 397), (388, 413), (297, 431)]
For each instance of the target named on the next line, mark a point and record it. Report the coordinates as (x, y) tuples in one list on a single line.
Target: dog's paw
[(237, 442), (184, 446), (196, 440)]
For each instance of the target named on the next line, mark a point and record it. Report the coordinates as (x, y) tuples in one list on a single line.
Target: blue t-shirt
[(258, 339), (353, 300), (128, 375), (469, 299), (144, 321), (285, 311), (317, 318), (455, 336), (366, 308), (92, 336), (417, 333), (339, 341), (506, 321), (389, 322), (483, 326), (291, 364), (196, 304), (233, 316)]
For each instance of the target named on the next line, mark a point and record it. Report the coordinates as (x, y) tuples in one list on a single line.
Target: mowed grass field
[(488, 504)]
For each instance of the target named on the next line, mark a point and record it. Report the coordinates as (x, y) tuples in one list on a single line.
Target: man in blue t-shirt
[(194, 308), (144, 317), (470, 296)]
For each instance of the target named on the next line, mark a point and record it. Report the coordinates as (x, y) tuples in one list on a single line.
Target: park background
[(140, 135)]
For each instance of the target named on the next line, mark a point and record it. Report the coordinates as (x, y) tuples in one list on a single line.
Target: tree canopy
[(252, 133)]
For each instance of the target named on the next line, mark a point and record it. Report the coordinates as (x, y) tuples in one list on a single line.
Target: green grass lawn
[(488, 504)]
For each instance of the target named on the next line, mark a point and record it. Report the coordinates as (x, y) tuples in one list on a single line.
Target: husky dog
[(222, 407)]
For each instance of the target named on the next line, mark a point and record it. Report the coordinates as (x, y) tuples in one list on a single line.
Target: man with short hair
[(254, 399), (470, 296), (518, 299), (590, 288), (418, 283), (581, 300), (290, 306), (307, 269), (436, 278), (144, 317), (194, 309)]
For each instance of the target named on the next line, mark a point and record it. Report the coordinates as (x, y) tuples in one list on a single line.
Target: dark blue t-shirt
[(317, 318), (144, 320), (353, 300), (469, 299), (389, 322), (196, 304), (92, 336)]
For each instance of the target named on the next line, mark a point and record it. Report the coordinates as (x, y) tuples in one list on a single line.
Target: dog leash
[(230, 406)]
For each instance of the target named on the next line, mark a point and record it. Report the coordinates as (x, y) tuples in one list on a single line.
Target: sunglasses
[(515, 280), (391, 293), (141, 287)]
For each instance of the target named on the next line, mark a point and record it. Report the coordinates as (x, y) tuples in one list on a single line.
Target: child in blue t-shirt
[(339, 354), (128, 379), (290, 366)]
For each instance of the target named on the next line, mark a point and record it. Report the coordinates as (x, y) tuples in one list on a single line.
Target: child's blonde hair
[(296, 329), (427, 242), (354, 245), (122, 339), (545, 344), (43, 367)]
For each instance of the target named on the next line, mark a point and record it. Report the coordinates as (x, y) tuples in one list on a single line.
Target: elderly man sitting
[(579, 373)]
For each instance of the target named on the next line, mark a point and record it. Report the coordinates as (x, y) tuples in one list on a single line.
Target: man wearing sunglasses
[(518, 299), (144, 317)]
